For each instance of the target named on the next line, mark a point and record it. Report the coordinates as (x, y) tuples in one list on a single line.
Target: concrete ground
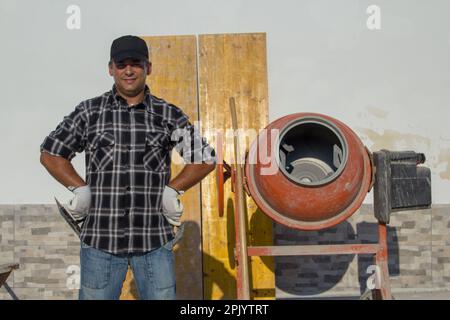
[(431, 294)]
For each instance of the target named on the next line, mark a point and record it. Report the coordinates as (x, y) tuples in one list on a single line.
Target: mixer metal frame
[(243, 251), (379, 250)]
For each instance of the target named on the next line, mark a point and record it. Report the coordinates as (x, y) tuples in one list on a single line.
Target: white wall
[(390, 85)]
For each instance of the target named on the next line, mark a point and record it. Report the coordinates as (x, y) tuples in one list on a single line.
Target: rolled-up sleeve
[(69, 136), (189, 143)]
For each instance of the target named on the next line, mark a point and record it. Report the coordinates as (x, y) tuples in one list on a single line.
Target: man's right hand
[(63, 171), (79, 206)]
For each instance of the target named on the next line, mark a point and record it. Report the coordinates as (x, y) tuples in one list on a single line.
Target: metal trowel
[(73, 223)]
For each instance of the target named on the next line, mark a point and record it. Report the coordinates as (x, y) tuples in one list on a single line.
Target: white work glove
[(172, 206), (79, 206)]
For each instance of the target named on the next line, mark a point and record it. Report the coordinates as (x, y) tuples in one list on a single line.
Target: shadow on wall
[(215, 275), (313, 275), (259, 219), (216, 272)]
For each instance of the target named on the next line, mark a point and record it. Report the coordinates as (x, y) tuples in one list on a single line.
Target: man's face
[(129, 75)]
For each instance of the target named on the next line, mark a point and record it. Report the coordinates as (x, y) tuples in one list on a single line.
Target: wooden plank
[(232, 65), (174, 79)]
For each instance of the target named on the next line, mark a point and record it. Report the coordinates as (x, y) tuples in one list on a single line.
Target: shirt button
[(128, 188), (128, 147), (127, 166)]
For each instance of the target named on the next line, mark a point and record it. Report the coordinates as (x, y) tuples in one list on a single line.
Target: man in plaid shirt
[(128, 200)]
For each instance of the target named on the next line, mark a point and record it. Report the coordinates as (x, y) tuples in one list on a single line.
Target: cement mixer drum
[(308, 171)]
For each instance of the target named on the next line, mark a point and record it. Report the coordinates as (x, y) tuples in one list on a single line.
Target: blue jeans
[(102, 273)]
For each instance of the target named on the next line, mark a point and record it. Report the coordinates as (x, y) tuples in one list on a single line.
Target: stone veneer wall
[(37, 238)]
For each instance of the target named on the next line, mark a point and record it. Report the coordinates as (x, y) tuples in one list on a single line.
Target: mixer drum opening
[(312, 152)]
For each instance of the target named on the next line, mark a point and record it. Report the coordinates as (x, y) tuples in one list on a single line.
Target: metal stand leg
[(381, 258)]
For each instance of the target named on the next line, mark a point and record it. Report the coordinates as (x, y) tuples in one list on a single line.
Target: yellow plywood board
[(174, 79), (232, 65)]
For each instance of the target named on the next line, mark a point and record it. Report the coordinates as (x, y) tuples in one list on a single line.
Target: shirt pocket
[(102, 152), (157, 151)]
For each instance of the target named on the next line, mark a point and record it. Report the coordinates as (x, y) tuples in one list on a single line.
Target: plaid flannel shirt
[(128, 157)]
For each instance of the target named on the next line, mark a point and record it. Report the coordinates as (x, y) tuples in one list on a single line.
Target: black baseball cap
[(129, 47)]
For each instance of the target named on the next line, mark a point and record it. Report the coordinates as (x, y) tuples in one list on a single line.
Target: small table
[(5, 271)]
